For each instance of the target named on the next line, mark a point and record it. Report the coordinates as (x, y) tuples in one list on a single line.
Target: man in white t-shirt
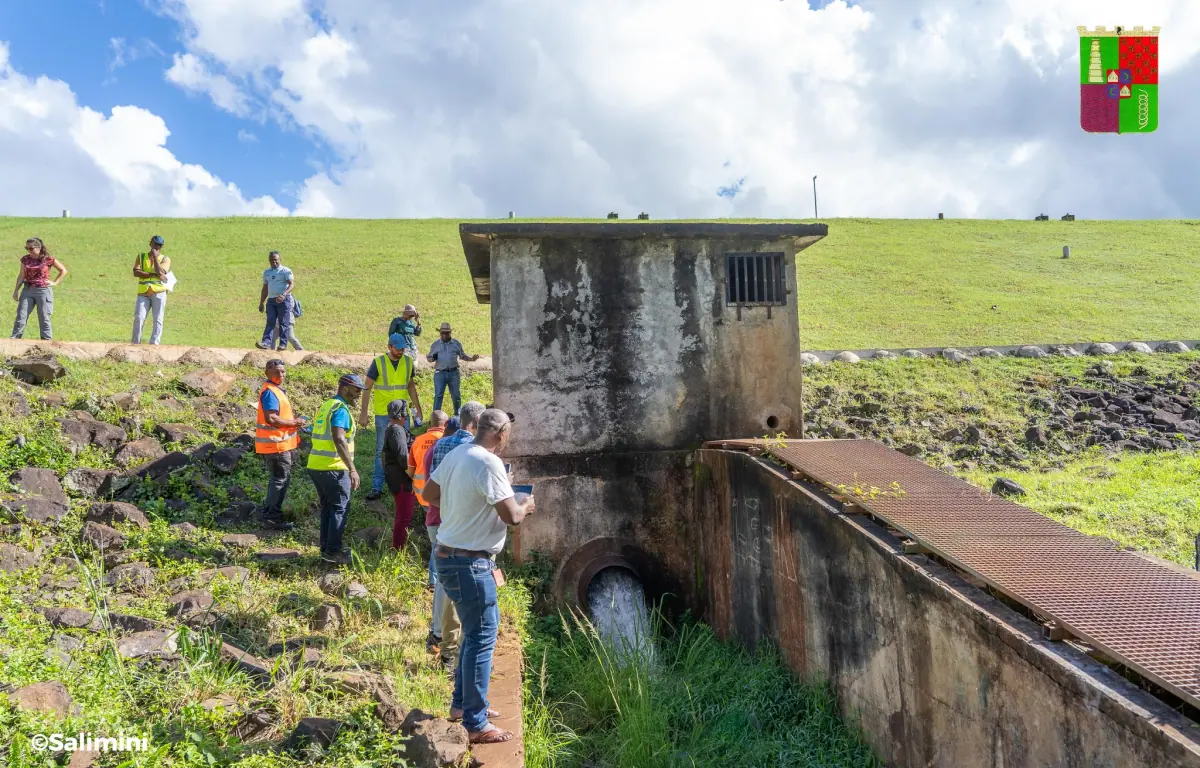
[(477, 505)]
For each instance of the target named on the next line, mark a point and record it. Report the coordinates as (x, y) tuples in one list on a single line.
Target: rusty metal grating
[(1139, 612)]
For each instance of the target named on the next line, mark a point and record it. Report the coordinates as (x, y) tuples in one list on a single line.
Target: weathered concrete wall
[(627, 345), (938, 673), (631, 505)]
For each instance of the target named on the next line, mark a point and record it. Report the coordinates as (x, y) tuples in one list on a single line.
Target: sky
[(676, 108)]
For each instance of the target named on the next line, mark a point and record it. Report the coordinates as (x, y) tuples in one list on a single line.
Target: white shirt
[(473, 482)]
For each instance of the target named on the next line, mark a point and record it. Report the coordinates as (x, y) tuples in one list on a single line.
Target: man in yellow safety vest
[(331, 465), (389, 377), (151, 270), (276, 438)]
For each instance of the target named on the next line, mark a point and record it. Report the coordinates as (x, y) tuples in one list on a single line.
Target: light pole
[(815, 197)]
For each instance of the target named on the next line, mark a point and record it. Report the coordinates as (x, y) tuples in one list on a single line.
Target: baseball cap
[(397, 409), (353, 380), (157, 240), (397, 340)]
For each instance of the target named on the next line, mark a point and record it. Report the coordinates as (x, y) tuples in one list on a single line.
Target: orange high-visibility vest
[(419, 447), (268, 439)]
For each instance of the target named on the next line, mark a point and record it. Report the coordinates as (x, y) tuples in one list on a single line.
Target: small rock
[(370, 536), (49, 698), (296, 644), (190, 602), (14, 558), (78, 434), (913, 353), (239, 540), (1005, 487), (36, 509), (1036, 436), (989, 352), (318, 731), (1065, 350), (974, 435), (434, 742), (85, 482), (71, 618), (277, 553), (39, 482), (883, 354), (955, 356), (234, 573), (16, 406), (1173, 346), (67, 642), (113, 512), (1102, 348), (202, 452), (220, 701), (845, 357), (107, 437), (154, 642), (331, 583), (126, 401), (328, 616), (117, 558), (126, 623), (246, 662), (1138, 347), (101, 536), (209, 381), (356, 590), (39, 370), (911, 449), (183, 529), (176, 433), (132, 577), (138, 451), (1165, 419), (226, 459), (1031, 352), (52, 399)]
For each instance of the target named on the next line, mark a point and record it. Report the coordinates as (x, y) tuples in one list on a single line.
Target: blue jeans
[(441, 380), (333, 489), (154, 304), (280, 313), (469, 584)]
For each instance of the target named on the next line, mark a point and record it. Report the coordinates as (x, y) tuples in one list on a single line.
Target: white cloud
[(551, 108), (69, 156), (190, 73), (125, 52), (246, 137)]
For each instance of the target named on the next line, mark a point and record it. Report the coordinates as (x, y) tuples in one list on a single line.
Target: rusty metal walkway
[(1138, 612)]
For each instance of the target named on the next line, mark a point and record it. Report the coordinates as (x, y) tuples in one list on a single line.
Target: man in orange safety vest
[(276, 439)]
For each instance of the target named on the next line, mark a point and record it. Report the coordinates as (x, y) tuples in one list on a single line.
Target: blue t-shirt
[(341, 417), (269, 401), (276, 280)]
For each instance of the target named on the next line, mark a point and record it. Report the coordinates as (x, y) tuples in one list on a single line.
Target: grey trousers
[(43, 299), (155, 303)]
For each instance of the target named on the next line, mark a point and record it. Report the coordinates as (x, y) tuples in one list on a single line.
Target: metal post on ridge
[(815, 215)]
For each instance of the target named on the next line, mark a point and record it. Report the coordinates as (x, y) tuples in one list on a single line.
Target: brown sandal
[(490, 735)]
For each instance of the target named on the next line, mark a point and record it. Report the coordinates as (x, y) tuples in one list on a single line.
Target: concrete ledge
[(209, 356), (1010, 350)]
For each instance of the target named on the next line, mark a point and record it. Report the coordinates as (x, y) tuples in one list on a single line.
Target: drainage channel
[(1143, 615)]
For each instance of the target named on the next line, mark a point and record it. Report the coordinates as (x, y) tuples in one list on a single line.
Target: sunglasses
[(33, 247)]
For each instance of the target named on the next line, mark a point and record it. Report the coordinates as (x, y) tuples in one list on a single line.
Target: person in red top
[(34, 287)]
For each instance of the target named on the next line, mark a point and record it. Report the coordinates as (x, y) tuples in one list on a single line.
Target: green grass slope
[(871, 283)]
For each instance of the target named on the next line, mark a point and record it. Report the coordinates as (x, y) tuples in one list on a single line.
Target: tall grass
[(695, 702)]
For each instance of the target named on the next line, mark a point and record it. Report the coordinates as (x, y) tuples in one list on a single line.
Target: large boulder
[(113, 512), (139, 451), (38, 370), (955, 356), (1173, 346), (176, 433), (14, 558), (209, 381), (49, 698), (1031, 352), (808, 358), (1102, 348), (1138, 347)]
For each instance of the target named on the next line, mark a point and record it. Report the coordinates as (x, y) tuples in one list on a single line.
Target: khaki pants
[(447, 625)]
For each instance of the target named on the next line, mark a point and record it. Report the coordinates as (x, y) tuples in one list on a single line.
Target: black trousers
[(279, 476)]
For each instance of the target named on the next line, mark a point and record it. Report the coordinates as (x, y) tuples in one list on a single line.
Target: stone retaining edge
[(826, 356), (170, 354)]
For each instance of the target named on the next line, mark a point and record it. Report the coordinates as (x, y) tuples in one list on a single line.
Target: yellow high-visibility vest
[(149, 284), (324, 453), (391, 385)]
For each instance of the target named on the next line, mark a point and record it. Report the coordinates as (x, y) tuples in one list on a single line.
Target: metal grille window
[(755, 278)]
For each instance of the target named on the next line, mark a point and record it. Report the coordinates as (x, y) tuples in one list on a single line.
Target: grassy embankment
[(871, 283)]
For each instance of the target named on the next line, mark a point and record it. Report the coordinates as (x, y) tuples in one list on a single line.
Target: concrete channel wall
[(937, 672)]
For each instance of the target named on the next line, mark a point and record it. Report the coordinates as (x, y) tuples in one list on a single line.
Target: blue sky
[(81, 52), (680, 108)]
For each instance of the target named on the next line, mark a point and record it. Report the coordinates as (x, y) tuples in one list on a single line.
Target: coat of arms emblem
[(1118, 71)]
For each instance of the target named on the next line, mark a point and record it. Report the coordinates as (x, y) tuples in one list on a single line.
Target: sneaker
[(262, 345), (277, 525), (374, 494), (433, 644), (339, 558), (298, 348)]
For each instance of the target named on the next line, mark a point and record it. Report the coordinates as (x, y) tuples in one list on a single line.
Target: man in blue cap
[(331, 465), (151, 270), (390, 377)]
